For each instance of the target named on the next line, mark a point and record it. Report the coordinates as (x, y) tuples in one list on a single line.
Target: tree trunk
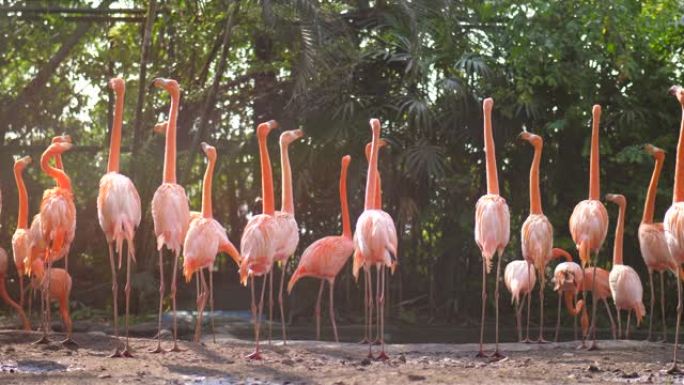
[(142, 80)]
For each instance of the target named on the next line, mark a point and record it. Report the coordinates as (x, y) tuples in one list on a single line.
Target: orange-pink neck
[(115, 139), (678, 194), (346, 222), (266, 174), (55, 173), (22, 216), (170, 153), (490, 151), (535, 190), (287, 199), (594, 160), (619, 236), (649, 205), (371, 178), (206, 188)]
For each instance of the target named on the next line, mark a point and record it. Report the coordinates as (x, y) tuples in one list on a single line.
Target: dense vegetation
[(422, 66)]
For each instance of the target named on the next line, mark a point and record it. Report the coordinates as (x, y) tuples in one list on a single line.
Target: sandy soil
[(308, 362)]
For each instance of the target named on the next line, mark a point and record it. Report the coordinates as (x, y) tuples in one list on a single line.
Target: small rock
[(630, 375), (593, 368), (68, 352), (104, 376), (53, 347), (402, 358), (97, 333), (365, 362), (566, 354), (416, 377), (287, 362), (10, 349)]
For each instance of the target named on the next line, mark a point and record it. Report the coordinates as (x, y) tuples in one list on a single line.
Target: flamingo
[(258, 244), (589, 220), (375, 236), (537, 232), (288, 230), (170, 210), (520, 280), (118, 211), (596, 281), (205, 238), (492, 224), (568, 277), (325, 257), (652, 240), (674, 220), (57, 224), (21, 240), (4, 262), (625, 285), (58, 283)]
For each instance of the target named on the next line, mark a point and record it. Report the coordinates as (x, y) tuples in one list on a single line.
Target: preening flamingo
[(375, 236), (287, 237), (118, 211), (4, 263), (596, 282), (625, 285), (674, 220), (205, 238), (325, 257), (520, 279), (57, 223), (567, 278), (652, 240), (58, 284), (492, 224), (258, 243), (536, 236), (170, 209), (589, 220), (21, 240)]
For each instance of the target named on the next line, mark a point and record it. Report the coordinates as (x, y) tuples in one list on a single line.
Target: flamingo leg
[(518, 317), (497, 353), (64, 312), (484, 304), (270, 305), (281, 302), (612, 321), (127, 290), (159, 349), (529, 305), (584, 298), (674, 369), (662, 305), (115, 303), (382, 356), (619, 322), (594, 299), (366, 338), (378, 293), (370, 311), (650, 312), (211, 302), (629, 318), (555, 338), (9, 301), (317, 311), (21, 290), (256, 355), (174, 278), (331, 283), (541, 306), (201, 303)]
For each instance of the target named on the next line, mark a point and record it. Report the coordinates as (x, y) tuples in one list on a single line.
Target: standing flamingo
[(568, 277), (625, 285), (170, 210), (596, 282), (58, 283), (21, 240), (288, 231), (520, 280), (205, 238), (258, 244), (674, 220), (118, 211), (589, 219), (4, 262), (492, 224), (376, 236), (537, 232), (57, 223), (652, 240), (325, 257)]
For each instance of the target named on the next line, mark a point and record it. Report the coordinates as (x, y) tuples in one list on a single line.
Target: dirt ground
[(310, 362)]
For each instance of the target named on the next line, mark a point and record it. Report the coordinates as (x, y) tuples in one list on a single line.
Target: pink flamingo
[(537, 232), (258, 244), (492, 224), (674, 220), (58, 283), (4, 262), (170, 210), (21, 240), (597, 283), (625, 285), (652, 240), (57, 223), (288, 230), (205, 238), (568, 277), (589, 219), (376, 236), (118, 211), (325, 257), (520, 280)]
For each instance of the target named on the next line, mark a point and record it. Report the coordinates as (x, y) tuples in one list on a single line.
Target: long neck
[(57, 174), (206, 189), (594, 175), (490, 156), (619, 235), (678, 195), (535, 192), (378, 193), (58, 161), (287, 202), (372, 177), (266, 177), (170, 154), (346, 223), (22, 217), (649, 205), (115, 140), (560, 253)]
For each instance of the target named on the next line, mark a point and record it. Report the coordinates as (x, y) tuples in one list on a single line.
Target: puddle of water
[(202, 380), (34, 366)]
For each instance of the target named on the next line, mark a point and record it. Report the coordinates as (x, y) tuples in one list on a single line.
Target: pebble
[(593, 368), (10, 349), (104, 376), (416, 377), (365, 362)]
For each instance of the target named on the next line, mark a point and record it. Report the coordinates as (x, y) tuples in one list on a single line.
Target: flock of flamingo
[(272, 237)]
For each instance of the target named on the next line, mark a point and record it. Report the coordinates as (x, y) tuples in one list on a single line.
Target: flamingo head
[(59, 147), (210, 151), (618, 199), (171, 86), (596, 112), (535, 140), (263, 129), (375, 127), (678, 92), (346, 160), (117, 85), (381, 143), (160, 128), (64, 138), (564, 280), (21, 163), (487, 106), (656, 152), (290, 136)]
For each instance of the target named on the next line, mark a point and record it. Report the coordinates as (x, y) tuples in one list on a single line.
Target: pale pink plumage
[(568, 276), (626, 290), (519, 278), (118, 210), (171, 214), (589, 226), (492, 226), (537, 240), (258, 246)]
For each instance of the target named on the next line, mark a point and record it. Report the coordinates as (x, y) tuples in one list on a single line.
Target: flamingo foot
[(364, 341), (69, 343), (542, 341), (127, 352), (593, 347), (377, 342), (43, 340), (158, 349), (256, 355), (176, 349), (115, 354), (662, 339), (674, 369), (382, 356), (497, 355), (526, 341), (481, 354)]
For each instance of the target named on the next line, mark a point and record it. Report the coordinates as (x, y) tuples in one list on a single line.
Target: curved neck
[(22, 216), (535, 191), (570, 303), (268, 207), (57, 174), (678, 194), (170, 153), (561, 253), (619, 235), (490, 156), (649, 205), (206, 189), (372, 177), (346, 223), (594, 175), (287, 202), (58, 161), (115, 140)]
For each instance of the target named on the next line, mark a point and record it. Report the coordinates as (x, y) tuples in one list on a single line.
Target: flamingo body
[(568, 277), (287, 237), (118, 209), (589, 225), (537, 240), (258, 246), (323, 259), (58, 220), (653, 245), (674, 230), (376, 238), (519, 279), (171, 214), (492, 226), (626, 289), (601, 290)]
